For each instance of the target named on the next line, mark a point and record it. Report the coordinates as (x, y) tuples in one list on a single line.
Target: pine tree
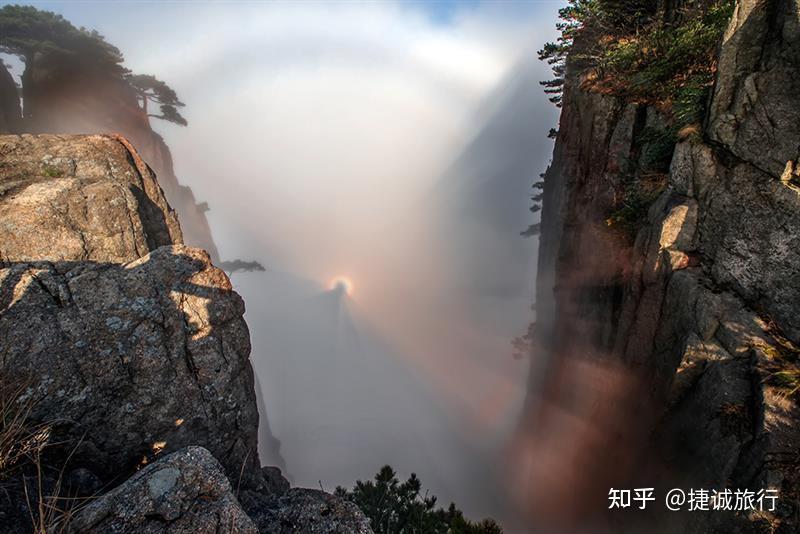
[(400, 508), (151, 89), (35, 36)]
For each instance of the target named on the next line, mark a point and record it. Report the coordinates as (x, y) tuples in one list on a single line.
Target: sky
[(362, 140)]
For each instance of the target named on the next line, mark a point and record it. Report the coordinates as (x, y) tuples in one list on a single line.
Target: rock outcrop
[(702, 307), (76, 97), (117, 329), (69, 87), (79, 198), (184, 492), (309, 511), (129, 346), (132, 359)]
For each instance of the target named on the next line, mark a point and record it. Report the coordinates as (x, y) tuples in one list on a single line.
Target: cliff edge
[(119, 346), (679, 329)]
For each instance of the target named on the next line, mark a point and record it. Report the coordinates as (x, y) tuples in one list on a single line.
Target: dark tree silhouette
[(399, 508), (233, 266), (151, 89), (37, 36), (532, 230), (26, 31), (555, 53), (34, 35)]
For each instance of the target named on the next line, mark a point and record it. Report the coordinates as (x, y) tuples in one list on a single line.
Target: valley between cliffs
[(665, 353)]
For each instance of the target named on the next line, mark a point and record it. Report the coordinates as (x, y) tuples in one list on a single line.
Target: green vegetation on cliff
[(645, 54), (630, 48), (400, 508)]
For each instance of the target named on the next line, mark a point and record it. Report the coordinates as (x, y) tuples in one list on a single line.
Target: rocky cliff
[(688, 321), (63, 99), (119, 346)]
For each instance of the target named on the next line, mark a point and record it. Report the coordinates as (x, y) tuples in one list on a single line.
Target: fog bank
[(390, 144)]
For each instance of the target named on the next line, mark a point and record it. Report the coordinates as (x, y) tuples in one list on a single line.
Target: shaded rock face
[(754, 113), (10, 111), (308, 511), (75, 198), (133, 359), (124, 334), (275, 507), (184, 492), (702, 307)]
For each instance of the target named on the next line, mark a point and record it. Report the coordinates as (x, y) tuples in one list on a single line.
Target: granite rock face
[(702, 307), (64, 97), (125, 335), (133, 359), (79, 198), (130, 346), (753, 112), (309, 511), (278, 508), (185, 492)]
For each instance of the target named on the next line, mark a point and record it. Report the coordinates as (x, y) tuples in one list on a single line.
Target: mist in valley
[(377, 159)]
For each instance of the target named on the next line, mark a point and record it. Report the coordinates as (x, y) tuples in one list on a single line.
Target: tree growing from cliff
[(534, 229), (573, 18), (400, 508), (37, 36), (648, 53), (244, 266), (151, 89), (29, 33), (632, 49)]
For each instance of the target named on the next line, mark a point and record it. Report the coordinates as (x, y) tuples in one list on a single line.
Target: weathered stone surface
[(704, 307), (308, 511), (274, 480), (185, 492), (128, 357), (133, 359), (751, 229), (726, 422), (755, 112), (65, 97), (79, 197)]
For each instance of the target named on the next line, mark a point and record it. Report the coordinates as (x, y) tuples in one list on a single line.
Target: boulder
[(131, 346), (79, 197), (309, 511), (126, 361), (185, 492)]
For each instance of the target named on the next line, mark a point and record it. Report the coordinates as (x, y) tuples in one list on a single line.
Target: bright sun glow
[(342, 283)]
